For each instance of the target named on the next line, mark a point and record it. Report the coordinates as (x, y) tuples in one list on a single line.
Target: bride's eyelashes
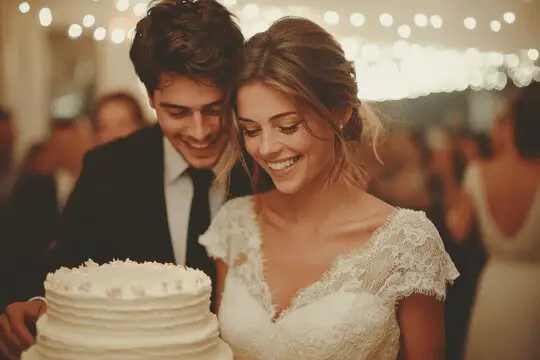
[(289, 129)]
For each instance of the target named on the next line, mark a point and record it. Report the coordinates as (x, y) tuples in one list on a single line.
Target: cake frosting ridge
[(128, 310)]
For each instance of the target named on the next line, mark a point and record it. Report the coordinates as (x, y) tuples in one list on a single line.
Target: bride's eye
[(249, 132), (289, 129)]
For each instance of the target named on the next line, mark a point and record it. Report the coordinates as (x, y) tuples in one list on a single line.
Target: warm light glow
[(532, 54), (385, 70), (45, 17), (251, 11), (512, 60), (420, 20), (140, 9), (386, 20), (331, 17), (495, 26), (89, 20), (118, 36), (24, 7), (122, 5), (404, 31), (357, 19), (470, 23), (509, 17), (74, 31), (100, 34), (436, 21)]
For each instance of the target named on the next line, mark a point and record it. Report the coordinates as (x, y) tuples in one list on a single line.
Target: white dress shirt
[(179, 194)]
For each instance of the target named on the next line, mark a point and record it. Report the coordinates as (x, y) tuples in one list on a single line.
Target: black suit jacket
[(30, 225), (117, 209)]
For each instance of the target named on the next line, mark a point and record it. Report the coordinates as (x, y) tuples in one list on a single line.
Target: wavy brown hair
[(198, 39), (302, 60)]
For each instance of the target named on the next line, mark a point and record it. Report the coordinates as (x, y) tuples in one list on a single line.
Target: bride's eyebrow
[(272, 118)]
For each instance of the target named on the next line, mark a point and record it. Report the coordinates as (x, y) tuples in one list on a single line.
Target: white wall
[(25, 76)]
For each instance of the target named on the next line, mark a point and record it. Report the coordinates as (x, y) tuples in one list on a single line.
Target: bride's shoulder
[(411, 220), (238, 204)]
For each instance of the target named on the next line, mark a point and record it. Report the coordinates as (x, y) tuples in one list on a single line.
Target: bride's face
[(276, 137)]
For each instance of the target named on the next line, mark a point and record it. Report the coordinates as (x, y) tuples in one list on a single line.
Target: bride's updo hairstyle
[(302, 60)]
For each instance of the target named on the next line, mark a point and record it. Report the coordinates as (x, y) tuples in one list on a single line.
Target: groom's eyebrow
[(171, 106)]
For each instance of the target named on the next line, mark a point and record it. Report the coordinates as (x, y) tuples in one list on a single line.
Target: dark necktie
[(199, 220)]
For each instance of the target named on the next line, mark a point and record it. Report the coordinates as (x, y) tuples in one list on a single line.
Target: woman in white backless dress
[(503, 194)]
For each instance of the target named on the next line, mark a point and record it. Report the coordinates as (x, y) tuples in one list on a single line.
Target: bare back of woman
[(511, 189)]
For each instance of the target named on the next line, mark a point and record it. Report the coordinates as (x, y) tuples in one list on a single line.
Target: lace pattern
[(359, 292)]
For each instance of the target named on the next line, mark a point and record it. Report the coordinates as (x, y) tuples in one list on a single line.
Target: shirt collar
[(175, 165)]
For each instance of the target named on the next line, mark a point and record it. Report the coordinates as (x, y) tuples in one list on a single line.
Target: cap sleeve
[(226, 237), (421, 263)]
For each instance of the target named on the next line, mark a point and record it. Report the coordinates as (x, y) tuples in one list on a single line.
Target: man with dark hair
[(147, 197)]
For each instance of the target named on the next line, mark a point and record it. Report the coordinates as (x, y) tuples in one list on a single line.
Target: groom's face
[(188, 112)]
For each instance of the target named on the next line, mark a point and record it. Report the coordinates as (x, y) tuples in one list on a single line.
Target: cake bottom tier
[(220, 352)]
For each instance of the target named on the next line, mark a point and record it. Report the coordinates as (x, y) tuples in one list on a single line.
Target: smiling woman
[(317, 268), (301, 90)]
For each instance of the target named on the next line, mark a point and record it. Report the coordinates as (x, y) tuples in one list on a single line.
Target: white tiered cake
[(126, 310)]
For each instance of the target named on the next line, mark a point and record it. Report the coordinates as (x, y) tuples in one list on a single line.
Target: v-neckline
[(268, 300)]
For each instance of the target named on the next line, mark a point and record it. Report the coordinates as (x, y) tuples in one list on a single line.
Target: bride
[(316, 268)]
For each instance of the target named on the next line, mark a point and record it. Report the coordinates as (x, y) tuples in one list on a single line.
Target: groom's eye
[(214, 110), (178, 114)]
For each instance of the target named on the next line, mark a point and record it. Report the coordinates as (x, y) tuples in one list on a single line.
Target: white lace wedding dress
[(350, 313)]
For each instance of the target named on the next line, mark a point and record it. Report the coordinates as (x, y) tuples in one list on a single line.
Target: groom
[(148, 196)]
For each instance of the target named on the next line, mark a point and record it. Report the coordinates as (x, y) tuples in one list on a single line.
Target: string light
[(100, 34), (357, 19), (436, 21), (45, 17), (89, 20), (420, 20), (331, 17), (404, 31), (24, 7), (385, 71), (386, 20), (74, 31), (118, 36), (495, 25), (509, 17), (533, 54), (140, 9), (470, 23), (122, 5)]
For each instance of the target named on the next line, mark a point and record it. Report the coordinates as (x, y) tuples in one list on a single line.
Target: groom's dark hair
[(197, 39)]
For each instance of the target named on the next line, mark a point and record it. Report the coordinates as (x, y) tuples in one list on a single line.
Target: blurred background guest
[(503, 195), (116, 115)]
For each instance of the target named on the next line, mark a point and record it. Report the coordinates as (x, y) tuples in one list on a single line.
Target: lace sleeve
[(224, 239), (421, 263)]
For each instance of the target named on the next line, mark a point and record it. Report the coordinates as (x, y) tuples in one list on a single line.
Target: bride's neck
[(316, 202)]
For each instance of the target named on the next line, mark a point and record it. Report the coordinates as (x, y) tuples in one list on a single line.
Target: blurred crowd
[(34, 192)]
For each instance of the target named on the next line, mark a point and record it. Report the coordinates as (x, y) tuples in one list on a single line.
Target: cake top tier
[(127, 280)]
